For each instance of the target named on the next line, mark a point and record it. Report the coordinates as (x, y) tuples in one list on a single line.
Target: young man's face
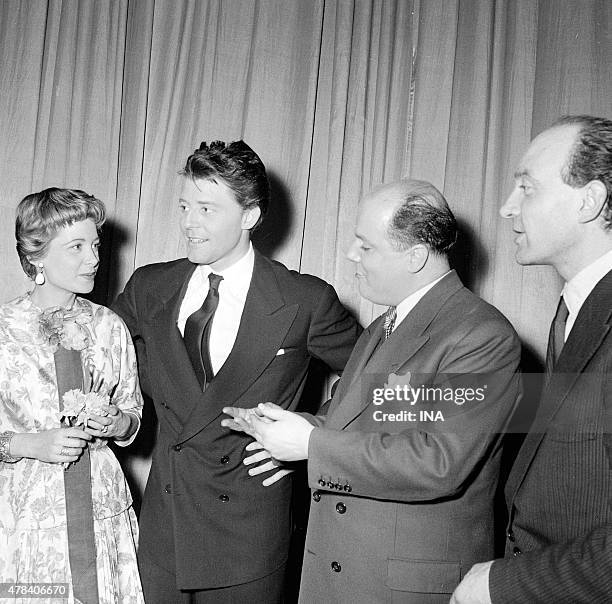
[(542, 207), (215, 226)]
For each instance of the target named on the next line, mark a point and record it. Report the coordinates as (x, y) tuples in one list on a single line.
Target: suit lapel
[(375, 362), (174, 366), (363, 350), (265, 321), (588, 333)]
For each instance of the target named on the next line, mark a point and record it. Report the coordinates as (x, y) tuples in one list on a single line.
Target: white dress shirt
[(407, 304), (577, 289), (232, 296)]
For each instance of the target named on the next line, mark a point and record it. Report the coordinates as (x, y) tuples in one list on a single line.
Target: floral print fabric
[(33, 539)]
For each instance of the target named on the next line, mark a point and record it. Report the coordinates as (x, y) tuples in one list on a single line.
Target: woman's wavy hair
[(41, 215)]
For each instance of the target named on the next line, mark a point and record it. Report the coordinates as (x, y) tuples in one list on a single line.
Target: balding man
[(559, 493), (404, 467)]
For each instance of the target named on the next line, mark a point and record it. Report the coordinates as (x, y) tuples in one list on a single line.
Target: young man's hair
[(238, 167)]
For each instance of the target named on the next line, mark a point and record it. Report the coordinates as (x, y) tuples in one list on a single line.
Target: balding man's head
[(590, 157), (403, 233), (420, 215)]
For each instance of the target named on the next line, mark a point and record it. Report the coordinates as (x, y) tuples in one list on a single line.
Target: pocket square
[(280, 351)]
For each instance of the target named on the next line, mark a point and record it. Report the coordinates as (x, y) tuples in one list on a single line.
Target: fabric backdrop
[(336, 96)]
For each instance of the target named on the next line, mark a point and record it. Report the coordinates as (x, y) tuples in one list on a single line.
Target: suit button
[(224, 459), (340, 508), (316, 496), (348, 488), (516, 551), (224, 498), (168, 489), (177, 448), (510, 536), (321, 482), (336, 567)]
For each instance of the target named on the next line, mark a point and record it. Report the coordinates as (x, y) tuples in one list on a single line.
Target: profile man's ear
[(250, 217), (417, 257), (593, 201)]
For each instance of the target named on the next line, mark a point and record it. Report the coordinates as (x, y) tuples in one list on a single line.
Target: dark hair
[(591, 156), (41, 215), (238, 167), (423, 217)]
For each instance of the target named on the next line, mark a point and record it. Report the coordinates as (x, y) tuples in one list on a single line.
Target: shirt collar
[(238, 273), (577, 289), (407, 304)]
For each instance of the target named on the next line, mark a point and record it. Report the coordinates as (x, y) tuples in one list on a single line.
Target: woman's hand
[(60, 445), (115, 424)]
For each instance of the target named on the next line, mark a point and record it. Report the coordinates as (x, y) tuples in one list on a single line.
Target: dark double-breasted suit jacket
[(202, 516), (559, 492), (402, 508)]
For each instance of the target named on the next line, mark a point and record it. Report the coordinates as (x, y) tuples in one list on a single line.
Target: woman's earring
[(40, 275)]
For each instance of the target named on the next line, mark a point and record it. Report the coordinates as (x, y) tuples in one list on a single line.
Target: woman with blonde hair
[(68, 386)]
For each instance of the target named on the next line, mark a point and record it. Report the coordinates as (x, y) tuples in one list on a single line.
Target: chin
[(198, 258), (525, 259), (87, 289), (372, 296)]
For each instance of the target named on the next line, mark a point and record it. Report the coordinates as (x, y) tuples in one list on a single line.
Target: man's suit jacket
[(202, 516), (559, 492), (402, 509)]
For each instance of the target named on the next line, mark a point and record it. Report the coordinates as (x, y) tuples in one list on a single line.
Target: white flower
[(78, 407)]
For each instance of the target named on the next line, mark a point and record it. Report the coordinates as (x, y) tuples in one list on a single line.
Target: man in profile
[(224, 326), (403, 468), (559, 492)]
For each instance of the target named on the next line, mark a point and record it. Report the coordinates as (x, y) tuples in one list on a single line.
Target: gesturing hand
[(474, 589), (283, 434), (268, 466), (242, 419)]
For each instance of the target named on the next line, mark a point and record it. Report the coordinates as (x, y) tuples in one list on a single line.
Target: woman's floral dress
[(33, 535)]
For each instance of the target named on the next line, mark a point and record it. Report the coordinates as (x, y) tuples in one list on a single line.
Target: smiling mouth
[(196, 240), (88, 275)]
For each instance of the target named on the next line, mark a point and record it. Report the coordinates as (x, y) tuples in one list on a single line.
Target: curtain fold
[(229, 70), (362, 129), (335, 95), (22, 34), (62, 79)]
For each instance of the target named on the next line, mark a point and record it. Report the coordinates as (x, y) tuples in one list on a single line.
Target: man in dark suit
[(405, 464), (224, 326), (559, 492)]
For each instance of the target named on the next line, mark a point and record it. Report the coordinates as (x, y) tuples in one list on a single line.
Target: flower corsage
[(79, 406), (68, 327)]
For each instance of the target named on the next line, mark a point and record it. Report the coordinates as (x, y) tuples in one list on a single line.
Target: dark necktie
[(556, 337), (389, 321), (197, 332)]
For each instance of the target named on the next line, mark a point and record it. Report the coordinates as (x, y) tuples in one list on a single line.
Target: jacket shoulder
[(478, 313), (160, 269), (288, 278)]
